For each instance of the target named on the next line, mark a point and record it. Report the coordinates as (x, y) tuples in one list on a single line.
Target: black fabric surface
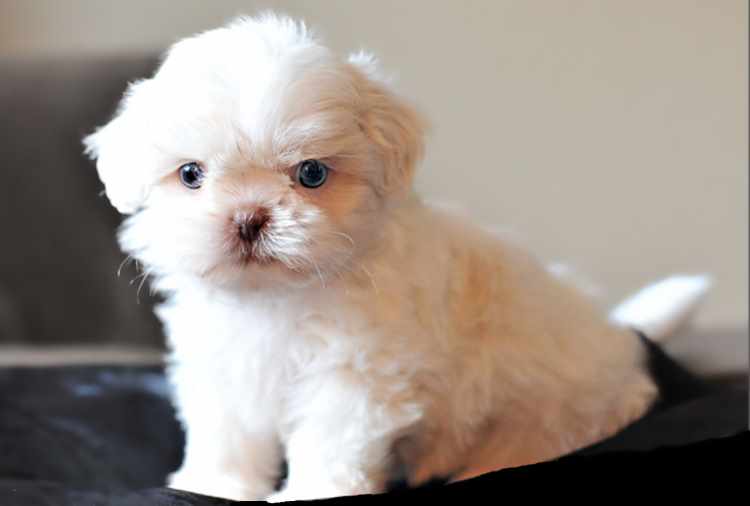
[(107, 436)]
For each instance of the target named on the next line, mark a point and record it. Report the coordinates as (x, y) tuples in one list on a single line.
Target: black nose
[(249, 225)]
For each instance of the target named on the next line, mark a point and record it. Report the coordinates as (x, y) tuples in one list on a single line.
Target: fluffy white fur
[(370, 335)]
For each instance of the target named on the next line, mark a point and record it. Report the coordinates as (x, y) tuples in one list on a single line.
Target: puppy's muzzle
[(250, 224)]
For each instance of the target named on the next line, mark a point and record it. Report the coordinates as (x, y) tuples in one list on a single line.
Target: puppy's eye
[(191, 175), (312, 173)]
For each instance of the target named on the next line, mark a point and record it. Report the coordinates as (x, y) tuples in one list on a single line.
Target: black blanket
[(107, 436)]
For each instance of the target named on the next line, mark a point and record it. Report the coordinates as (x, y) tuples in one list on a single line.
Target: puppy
[(317, 311)]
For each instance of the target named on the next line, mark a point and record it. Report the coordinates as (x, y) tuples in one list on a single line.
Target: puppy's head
[(255, 154)]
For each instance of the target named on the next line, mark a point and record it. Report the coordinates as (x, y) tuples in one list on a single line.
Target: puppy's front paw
[(296, 494), (218, 486), (281, 496)]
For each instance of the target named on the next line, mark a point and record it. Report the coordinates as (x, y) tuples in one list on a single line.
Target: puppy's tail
[(659, 310)]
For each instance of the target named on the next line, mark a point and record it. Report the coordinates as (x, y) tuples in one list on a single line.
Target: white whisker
[(345, 236), (372, 278), (122, 264)]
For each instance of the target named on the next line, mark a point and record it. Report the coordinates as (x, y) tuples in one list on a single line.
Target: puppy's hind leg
[(536, 437)]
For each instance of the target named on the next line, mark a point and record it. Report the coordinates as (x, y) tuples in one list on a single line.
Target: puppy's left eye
[(312, 173)]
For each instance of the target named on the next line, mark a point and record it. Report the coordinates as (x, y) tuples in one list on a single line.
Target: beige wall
[(611, 134)]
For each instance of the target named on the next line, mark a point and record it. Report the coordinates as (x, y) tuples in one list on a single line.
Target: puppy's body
[(360, 334), (439, 341)]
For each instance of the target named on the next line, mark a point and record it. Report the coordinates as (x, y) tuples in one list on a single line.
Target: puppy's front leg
[(224, 459), (342, 440)]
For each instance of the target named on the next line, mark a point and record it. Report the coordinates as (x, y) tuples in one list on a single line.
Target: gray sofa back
[(58, 253)]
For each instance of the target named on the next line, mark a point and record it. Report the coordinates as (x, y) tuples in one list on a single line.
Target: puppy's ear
[(118, 149), (393, 125)]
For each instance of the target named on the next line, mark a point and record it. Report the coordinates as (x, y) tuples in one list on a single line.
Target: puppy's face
[(256, 156)]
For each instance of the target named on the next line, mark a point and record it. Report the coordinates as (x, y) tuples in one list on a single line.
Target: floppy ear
[(392, 124), (120, 150)]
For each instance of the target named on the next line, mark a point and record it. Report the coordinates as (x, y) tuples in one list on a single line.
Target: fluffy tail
[(662, 308)]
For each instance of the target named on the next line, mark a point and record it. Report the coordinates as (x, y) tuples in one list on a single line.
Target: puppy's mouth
[(246, 255), (257, 243)]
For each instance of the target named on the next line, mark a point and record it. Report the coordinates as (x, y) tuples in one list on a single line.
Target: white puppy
[(316, 310)]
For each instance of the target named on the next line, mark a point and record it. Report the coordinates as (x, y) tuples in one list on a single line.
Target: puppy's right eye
[(191, 175)]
